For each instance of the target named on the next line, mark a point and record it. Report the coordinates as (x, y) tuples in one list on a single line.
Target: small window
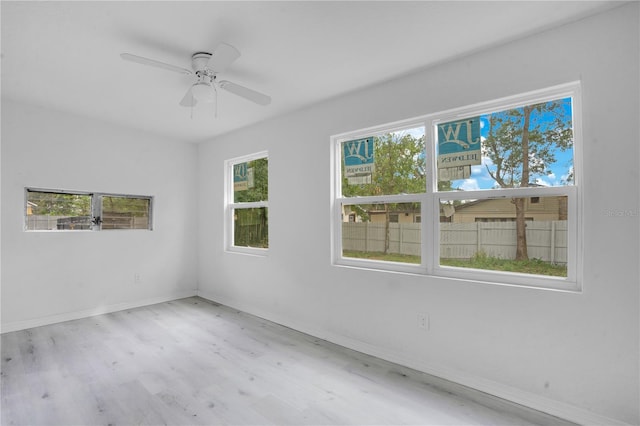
[(248, 203), (50, 210)]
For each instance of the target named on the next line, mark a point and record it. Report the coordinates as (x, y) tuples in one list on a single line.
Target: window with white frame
[(57, 210), (487, 192), (247, 203)]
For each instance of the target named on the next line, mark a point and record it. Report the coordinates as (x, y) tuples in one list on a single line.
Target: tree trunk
[(521, 226), (521, 230), (387, 232)]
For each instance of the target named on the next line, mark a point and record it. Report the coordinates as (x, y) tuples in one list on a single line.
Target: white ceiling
[(65, 55)]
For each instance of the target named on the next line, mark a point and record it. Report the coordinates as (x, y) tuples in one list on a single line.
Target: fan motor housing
[(199, 61)]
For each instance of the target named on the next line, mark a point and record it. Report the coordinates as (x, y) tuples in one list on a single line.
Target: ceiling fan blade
[(189, 100), (249, 94), (222, 57), (154, 63)]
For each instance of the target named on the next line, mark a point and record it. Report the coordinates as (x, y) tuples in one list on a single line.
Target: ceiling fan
[(206, 67)]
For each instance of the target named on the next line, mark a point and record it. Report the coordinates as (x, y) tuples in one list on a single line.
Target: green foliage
[(479, 261), (532, 266), (57, 204), (259, 191), (389, 257)]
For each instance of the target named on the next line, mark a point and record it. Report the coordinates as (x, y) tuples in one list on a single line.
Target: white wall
[(572, 354), (53, 276)]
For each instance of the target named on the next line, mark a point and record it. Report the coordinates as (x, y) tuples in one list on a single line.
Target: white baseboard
[(493, 389), (69, 316)]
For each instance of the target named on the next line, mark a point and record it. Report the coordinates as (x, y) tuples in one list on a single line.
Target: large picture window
[(487, 192), (247, 203), (56, 210)]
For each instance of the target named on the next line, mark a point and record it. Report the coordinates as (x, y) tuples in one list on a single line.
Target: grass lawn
[(532, 266)]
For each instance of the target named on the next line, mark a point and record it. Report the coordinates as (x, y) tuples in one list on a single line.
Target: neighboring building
[(493, 210), (504, 210), (378, 213)]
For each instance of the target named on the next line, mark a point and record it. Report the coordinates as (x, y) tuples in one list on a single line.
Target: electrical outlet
[(137, 278), (423, 321)]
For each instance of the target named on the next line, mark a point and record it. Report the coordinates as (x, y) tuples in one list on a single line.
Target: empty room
[(320, 213)]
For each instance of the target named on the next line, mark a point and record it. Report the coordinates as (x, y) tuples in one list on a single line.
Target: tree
[(59, 204), (521, 144)]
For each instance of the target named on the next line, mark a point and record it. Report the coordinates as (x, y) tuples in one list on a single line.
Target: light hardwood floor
[(194, 362)]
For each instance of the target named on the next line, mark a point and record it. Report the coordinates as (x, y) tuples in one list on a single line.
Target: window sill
[(476, 276), (250, 251)]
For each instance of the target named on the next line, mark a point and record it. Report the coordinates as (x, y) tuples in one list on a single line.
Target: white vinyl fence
[(112, 221), (546, 240)]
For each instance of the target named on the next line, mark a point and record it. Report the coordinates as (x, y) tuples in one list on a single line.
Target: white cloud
[(470, 185), (542, 182)]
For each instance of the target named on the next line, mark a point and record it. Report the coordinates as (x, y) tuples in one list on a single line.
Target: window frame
[(95, 209), (230, 206), (338, 200), (431, 198)]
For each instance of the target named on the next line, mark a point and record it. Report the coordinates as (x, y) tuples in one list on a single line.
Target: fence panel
[(458, 240), (497, 239), (354, 236), (546, 240)]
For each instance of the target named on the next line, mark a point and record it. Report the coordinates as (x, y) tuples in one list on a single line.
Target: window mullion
[(96, 212), (381, 199), (249, 205)]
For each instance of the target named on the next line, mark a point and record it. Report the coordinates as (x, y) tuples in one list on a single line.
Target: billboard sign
[(454, 173), (240, 177), (358, 157), (459, 143)]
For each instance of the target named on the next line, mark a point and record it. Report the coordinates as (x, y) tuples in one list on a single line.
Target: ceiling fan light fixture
[(203, 92)]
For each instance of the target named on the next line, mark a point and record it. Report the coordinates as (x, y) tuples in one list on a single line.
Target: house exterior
[(504, 210), (493, 210)]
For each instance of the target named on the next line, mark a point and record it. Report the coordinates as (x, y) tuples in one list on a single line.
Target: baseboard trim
[(69, 316), (536, 402), (492, 389)]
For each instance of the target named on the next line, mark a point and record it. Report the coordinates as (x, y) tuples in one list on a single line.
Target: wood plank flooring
[(192, 362)]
